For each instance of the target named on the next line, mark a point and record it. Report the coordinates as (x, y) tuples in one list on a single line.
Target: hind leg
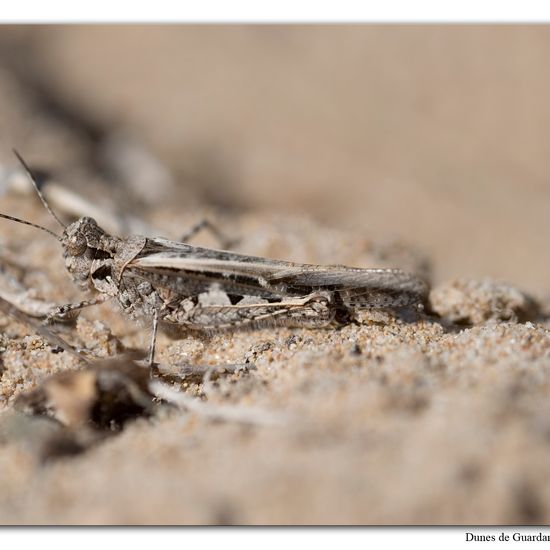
[(203, 224)]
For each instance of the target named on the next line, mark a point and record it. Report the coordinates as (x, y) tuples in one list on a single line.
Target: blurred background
[(436, 136)]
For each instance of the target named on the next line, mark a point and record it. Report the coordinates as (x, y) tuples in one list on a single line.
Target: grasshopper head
[(83, 242)]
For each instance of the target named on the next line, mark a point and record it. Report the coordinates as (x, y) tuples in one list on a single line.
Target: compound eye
[(77, 245)]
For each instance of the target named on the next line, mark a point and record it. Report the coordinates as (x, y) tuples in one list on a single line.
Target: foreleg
[(62, 311), (152, 345)]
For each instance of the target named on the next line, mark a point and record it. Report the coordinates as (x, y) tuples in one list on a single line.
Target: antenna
[(35, 185), (18, 220)]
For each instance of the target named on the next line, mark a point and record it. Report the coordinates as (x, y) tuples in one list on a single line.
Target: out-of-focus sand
[(422, 147)]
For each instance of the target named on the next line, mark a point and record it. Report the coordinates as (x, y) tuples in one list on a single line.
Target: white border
[(271, 11), (258, 11), (359, 538)]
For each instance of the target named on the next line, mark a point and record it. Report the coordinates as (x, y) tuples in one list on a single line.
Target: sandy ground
[(417, 147)]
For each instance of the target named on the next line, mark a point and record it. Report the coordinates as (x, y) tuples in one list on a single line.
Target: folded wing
[(356, 287)]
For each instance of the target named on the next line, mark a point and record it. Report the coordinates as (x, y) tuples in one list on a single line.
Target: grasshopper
[(198, 288)]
